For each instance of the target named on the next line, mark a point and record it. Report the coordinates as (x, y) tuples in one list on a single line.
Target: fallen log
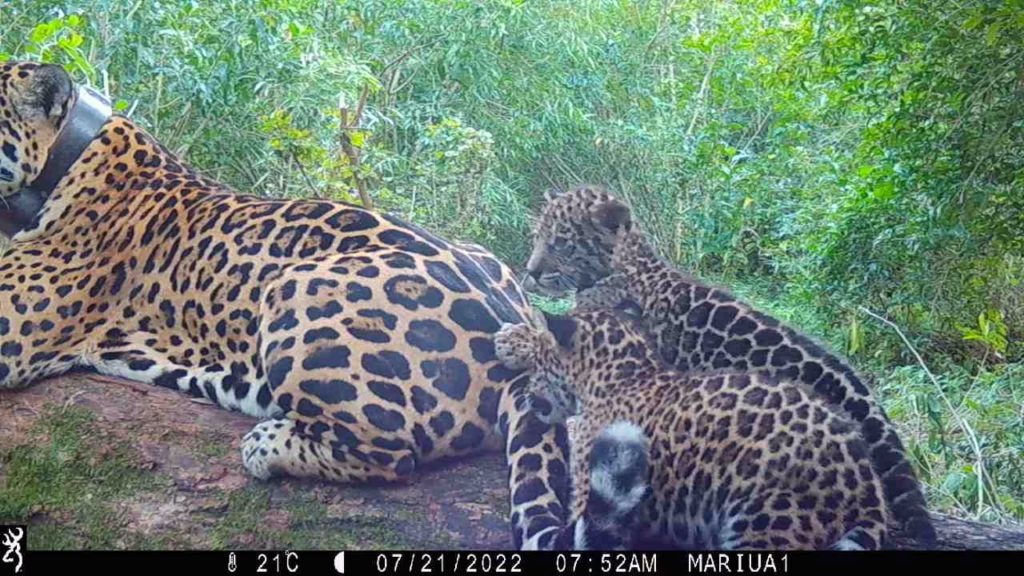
[(460, 505), (957, 534)]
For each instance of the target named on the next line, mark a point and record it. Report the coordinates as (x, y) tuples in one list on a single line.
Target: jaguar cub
[(737, 460), (586, 240)]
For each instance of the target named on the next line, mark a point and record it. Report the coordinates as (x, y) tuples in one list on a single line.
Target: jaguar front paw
[(259, 449)]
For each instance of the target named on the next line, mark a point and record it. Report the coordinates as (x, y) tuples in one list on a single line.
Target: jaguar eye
[(564, 247)]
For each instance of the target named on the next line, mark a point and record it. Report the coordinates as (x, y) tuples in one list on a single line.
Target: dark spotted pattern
[(736, 461), (586, 239), (357, 336)]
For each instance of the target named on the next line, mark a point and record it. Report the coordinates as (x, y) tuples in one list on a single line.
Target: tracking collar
[(85, 119)]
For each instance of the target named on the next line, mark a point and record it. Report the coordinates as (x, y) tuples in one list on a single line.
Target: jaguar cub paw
[(513, 345)]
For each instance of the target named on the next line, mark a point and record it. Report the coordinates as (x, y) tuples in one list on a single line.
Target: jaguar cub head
[(568, 353), (574, 239), (34, 101)]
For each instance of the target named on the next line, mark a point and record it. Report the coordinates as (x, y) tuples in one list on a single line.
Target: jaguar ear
[(562, 328), (612, 215), (45, 94)]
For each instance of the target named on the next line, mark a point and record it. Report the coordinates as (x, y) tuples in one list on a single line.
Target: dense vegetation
[(827, 160)]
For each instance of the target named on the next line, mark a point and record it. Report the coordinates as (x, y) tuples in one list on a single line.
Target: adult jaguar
[(365, 342), (586, 240), (733, 460)]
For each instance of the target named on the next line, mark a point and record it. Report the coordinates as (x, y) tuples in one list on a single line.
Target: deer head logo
[(12, 540)]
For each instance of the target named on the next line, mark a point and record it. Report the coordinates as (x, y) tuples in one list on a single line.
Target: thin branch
[(422, 48), (762, 122), (346, 126), (663, 23), (701, 94), (305, 175), (972, 438), (362, 104)]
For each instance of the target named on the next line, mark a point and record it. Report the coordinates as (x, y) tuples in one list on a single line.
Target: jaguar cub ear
[(45, 94), (552, 193), (631, 309), (612, 215), (562, 328)]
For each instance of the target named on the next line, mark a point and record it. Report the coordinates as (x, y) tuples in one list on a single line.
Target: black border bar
[(286, 563)]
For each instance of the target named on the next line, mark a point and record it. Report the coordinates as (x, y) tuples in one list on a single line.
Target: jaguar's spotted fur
[(737, 461), (365, 341), (585, 239)]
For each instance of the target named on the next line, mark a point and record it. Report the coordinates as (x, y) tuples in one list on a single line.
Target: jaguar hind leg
[(774, 520), (753, 524), (278, 447)]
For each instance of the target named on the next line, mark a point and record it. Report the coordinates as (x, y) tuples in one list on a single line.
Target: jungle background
[(827, 160)]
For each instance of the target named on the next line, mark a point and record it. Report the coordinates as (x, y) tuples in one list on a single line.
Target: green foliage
[(814, 156), (985, 482), (931, 205), (991, 332), (551, 305)]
